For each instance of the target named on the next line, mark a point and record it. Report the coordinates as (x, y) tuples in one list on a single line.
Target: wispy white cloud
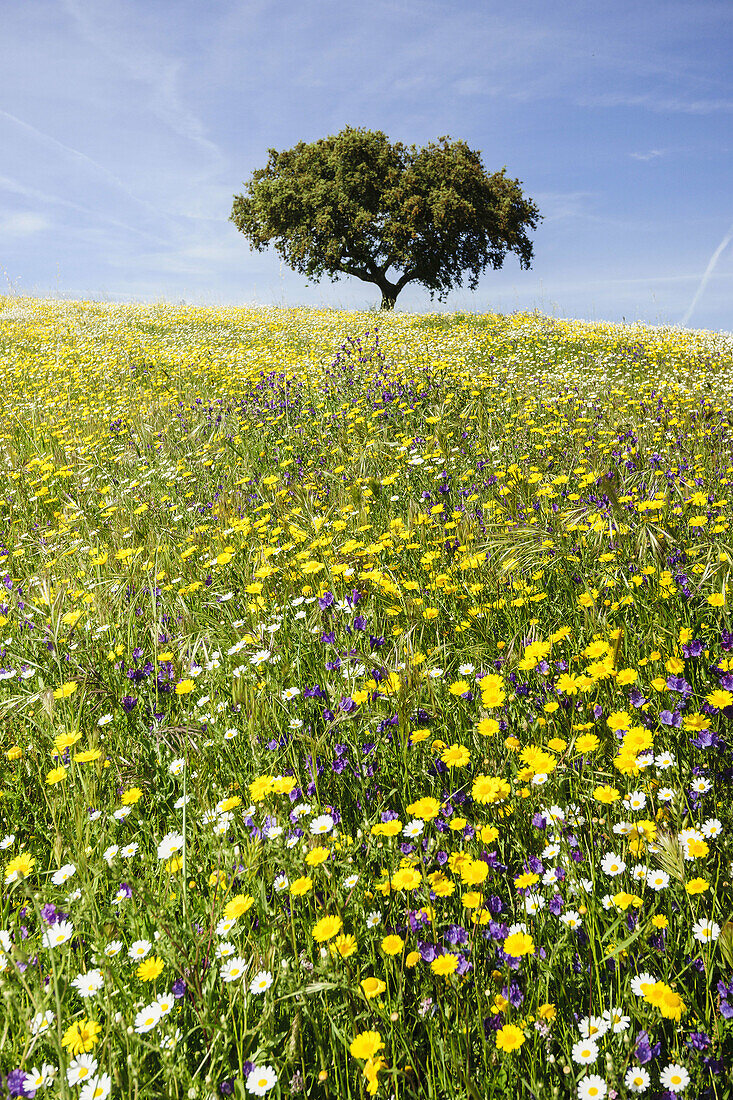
[(44, 198), (658, 102), (24, 224), (651, 155), (151, 67), (75, 154), (707, 275)]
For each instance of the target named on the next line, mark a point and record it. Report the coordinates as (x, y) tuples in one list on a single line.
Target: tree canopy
[(357, 204)]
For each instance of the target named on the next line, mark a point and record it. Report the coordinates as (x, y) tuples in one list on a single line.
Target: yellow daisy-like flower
[(65, 690), (301, 886), (149, 969), (19, 867), (326, 928), (366, 1044), (131, 796), (238, 905), (372, 987), (606, 794), (82, 1036), (487, 727), (56, 775), (425, 808), (392, 945), (518, 944), (509, 1038), (317, 856), (185, 687), (444, 965), (87, 756), (697, 886), (719, 699), (457, 756), (345, 946)]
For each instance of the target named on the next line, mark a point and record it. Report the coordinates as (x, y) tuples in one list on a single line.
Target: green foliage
[(357, 204)]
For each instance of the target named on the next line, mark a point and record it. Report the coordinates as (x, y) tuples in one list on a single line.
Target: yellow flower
[(659, 921), (444, 965), (317, 856), (547, 1011), (87, 756), (301, 886), (474, 872), (529, 878), (459, 687), (457, 756), (413, 958), (366, 1044), (56, 775), (425, 808), (19, 867), (326, 928), (230, 803), (487, 727), (131, 796), (238, 905), (627, 676), (392, 945), (185, 687), (66, 740), (372, 987), (619, 720), (260, 787), (665, 999), (82, 1036), (518, 944), (345, 946), (490, 788), (65, 690), (717, 599), (719, 699), (587, 742), (407, 878), (149, 969), (509, 1038), (606, 794), (697, 886)]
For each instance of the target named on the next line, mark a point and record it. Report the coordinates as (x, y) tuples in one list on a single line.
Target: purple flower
[(178, 989), (455, 935), (325, 600), (17, 1084), (513, 994), (129, 702), (555, 905), (646, 1051)]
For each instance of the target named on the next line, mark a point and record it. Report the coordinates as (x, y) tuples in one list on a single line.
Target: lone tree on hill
[(357, 204)]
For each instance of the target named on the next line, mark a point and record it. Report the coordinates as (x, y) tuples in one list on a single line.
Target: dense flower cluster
[(367, 693)]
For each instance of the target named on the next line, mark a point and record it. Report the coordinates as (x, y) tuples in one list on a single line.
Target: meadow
[(366, 690)]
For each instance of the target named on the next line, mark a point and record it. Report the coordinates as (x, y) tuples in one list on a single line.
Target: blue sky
[(126, 126)]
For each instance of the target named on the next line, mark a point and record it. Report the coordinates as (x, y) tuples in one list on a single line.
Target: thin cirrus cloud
[(126, 130)]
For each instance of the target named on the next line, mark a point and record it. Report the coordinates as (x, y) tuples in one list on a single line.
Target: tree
[(357, 204)]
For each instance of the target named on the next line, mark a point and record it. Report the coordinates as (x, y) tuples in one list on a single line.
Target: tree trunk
[(389, 294)]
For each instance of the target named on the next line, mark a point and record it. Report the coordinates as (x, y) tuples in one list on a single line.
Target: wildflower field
[(366, 687)]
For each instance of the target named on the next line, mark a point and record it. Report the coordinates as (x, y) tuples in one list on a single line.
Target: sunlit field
[(366, 687)]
